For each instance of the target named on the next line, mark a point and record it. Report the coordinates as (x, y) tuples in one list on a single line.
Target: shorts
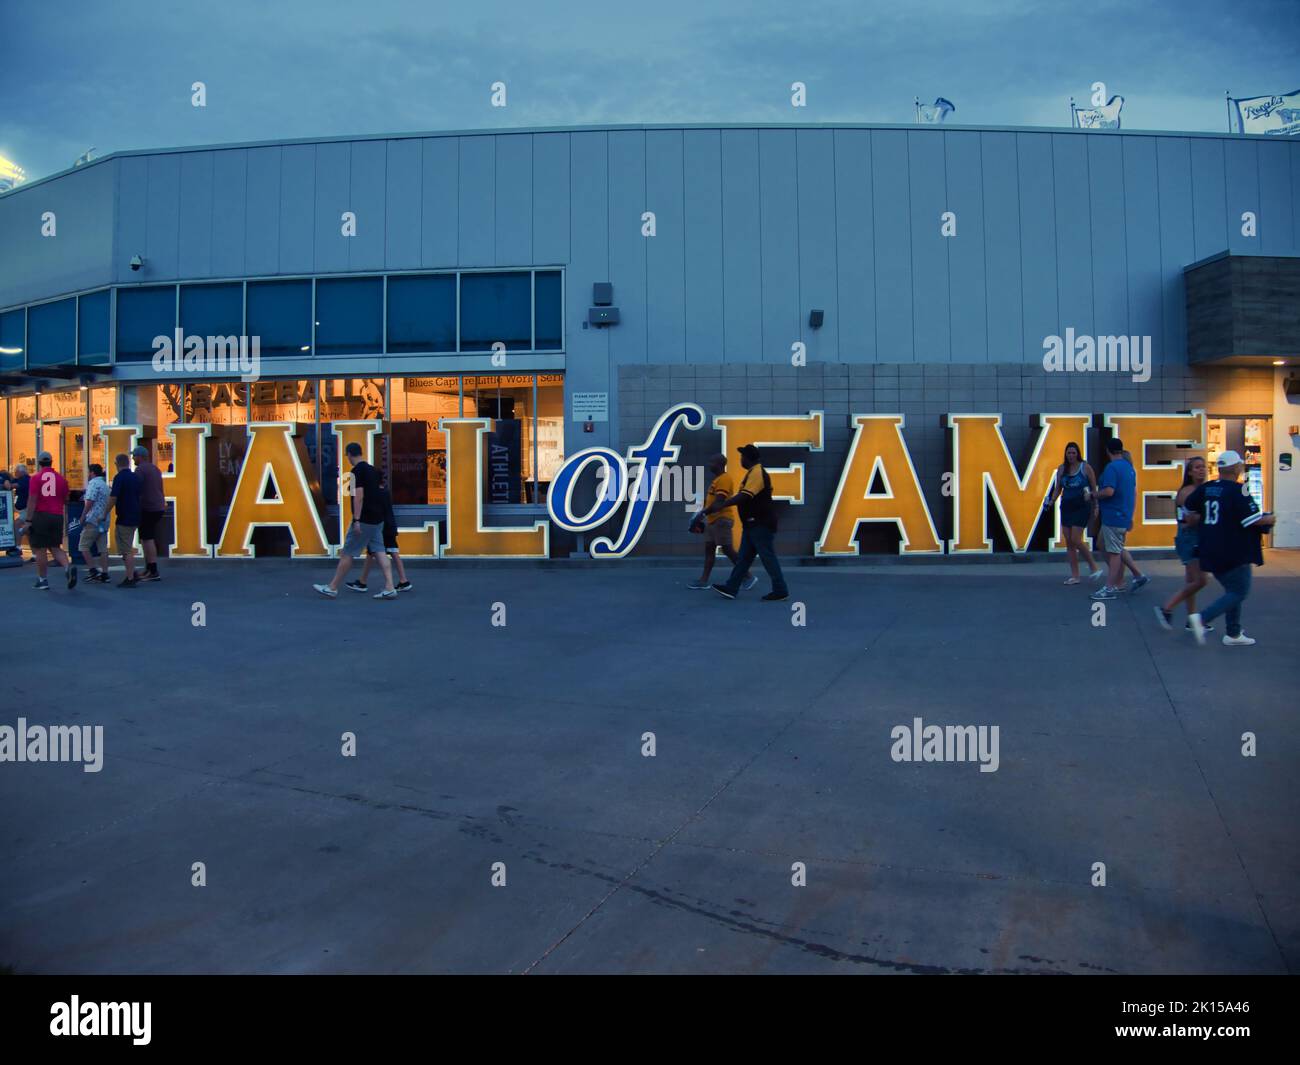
[(92, 542), (149, 520), (124, 535), (362, 536), (1186, 542), (1112, 539), (1075, 515), (718, 533), (46, 530)]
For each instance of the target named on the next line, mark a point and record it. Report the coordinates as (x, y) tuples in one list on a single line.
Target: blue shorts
[(1185, 543)]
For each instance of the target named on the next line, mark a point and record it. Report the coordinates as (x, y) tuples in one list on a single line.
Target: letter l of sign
[(652, 455)]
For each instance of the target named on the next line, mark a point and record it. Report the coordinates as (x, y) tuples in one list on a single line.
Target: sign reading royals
[(983, 471)]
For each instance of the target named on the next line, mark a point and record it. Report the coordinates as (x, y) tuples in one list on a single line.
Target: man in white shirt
[(94, 528)]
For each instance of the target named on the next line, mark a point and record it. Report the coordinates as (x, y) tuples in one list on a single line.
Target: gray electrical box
[(602, 293), (599, 316)]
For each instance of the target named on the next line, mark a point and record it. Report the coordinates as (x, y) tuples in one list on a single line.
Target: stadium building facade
[(825, 291)]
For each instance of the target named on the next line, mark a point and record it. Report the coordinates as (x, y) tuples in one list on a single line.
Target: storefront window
[(346, 399), (52, 333), (212, 402), (92, 329), (419, 447), (279, 312), (103, 407), (496, 308), (22, 431), (4, 435), (550, 318), (142, 314), (154, 408), (350, 316), (550, 430), (422, 313)]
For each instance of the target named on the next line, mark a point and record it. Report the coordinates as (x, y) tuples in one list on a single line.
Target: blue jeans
[(757, 541), (1236, 586)]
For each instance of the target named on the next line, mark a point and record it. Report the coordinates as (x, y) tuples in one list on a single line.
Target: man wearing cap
[(152, 505), (1117, 498), (1229, 523), (47, 495), (757, 528)]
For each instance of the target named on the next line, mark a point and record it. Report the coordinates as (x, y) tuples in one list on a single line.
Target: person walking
[(93, 544), (390, 546), (124, 502), (1229, 524), (1076, 486), (1185, 544), (758, 526), (152, 505), (1117, 496), (719, 526), (47, 496), (22, 491), (366, 529)]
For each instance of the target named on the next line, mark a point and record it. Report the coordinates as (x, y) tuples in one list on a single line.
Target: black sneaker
[(124, 583), (776, 597), (404, 586), (722, 591), (355, 586), (150, 576), (41, 585), (72, 576)]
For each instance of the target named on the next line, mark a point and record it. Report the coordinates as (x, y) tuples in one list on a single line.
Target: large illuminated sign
[(878, 483)]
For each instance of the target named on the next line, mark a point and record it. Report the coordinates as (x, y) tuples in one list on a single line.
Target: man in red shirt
[(45, 501)]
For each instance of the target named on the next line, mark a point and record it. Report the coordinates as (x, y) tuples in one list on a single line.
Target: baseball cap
[(140, 451), (749, 451), (44, 459), (1229, 458)]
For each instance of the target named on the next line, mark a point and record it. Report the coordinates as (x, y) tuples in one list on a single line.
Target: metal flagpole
[(916, 110), (1227, 99), (1072, 121)]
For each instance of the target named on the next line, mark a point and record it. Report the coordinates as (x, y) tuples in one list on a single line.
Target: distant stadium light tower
[(11, 174)]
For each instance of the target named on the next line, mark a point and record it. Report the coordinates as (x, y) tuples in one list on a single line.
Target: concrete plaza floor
[(522, 744)]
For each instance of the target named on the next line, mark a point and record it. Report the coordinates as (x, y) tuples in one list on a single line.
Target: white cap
[(1229, 458)]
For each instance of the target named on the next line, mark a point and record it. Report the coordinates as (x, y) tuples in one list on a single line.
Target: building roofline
[(620, 127)]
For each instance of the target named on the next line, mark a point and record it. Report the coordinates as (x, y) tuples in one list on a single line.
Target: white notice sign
[(591, 406)]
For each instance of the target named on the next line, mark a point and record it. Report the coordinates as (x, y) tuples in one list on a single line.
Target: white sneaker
[(1238, 641), (326, 591), (1096, 575), (1198, 628)]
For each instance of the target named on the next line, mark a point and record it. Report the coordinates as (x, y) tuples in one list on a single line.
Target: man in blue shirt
[(124, 501), (1117, 497)]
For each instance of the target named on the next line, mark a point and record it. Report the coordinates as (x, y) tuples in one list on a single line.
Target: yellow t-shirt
[(724, 485)]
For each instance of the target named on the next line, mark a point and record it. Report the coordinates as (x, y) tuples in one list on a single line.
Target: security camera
[(136, 262)]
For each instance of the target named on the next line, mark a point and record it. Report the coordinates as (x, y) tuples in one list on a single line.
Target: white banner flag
[(935, 113), (1105, 117), (1276, 115)]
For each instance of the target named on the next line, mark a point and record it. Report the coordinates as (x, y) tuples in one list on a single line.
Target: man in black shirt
[(757, 528), (1229, 524), (366, 529)]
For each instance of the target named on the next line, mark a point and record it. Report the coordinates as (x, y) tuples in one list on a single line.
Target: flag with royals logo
[(935, 113), (1104, 117), (1274, 115)]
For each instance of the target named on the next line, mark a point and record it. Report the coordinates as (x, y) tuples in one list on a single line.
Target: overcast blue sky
[(117, 75)]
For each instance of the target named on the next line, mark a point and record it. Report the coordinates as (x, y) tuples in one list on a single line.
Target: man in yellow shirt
[(757, 529), (717, 527)]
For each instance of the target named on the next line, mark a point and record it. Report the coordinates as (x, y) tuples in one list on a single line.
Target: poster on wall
[(6, 520), (503, 462)]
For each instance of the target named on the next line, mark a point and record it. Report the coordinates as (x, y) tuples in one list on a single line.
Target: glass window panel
[(142, 315), (4, 434), (496, 308), (155, 409), (103, 407), (507, 399), (65, 403), (550, 316), (422, 313), (347, 399), (92, 329), (350, 316), (279, 312), (284, 401), (550, 430), (212, 310), (52, 333), (419, 447), (211, 402), (12, 342), (22, 432)]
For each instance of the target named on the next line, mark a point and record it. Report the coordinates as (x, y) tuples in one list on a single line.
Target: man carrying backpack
[(757, 512)]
